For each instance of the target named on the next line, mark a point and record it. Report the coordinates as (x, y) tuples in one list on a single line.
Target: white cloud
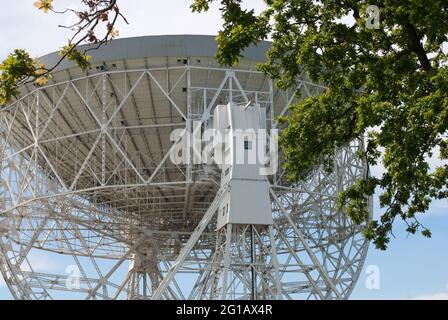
[(2, 281), (439, 207), (145, 18), (41, 262), (435, 296)]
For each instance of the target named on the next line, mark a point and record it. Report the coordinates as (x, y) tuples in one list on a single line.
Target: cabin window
[(247, 145)]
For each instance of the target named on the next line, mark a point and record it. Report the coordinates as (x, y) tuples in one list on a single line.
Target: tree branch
[(417, 47)]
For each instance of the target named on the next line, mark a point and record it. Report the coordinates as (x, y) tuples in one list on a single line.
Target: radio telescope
[(93, 207)]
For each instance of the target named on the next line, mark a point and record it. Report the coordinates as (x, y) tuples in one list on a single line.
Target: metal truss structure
[(91, 207)]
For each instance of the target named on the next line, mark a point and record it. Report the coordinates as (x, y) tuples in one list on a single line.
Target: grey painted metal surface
[(158, 46)]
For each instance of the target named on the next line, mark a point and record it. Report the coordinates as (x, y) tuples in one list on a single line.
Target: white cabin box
[(247, 199)]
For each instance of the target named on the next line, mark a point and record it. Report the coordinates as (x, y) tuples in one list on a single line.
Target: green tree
[(19, 68), (390, 83)]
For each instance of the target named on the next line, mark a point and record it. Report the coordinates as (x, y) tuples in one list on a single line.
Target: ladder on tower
[(164, 284)]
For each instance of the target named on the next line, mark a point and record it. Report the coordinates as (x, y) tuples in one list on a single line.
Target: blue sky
[(412, 268)]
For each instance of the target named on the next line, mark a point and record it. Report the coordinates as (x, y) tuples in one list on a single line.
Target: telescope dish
[(92, 207)]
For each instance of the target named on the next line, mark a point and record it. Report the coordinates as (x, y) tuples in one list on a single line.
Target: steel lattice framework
[(86, 182)]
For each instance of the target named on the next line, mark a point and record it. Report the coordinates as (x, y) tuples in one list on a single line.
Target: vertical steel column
[(189, 120), (252, 261), (36, 182), (231, 88), (272, 120), (275, 264), (226, 261), (103, 131)]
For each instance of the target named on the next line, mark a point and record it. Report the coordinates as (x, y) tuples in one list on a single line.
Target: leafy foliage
[(390, 83), (241, 29), (17, 68), (44, 5), (73, 54)]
